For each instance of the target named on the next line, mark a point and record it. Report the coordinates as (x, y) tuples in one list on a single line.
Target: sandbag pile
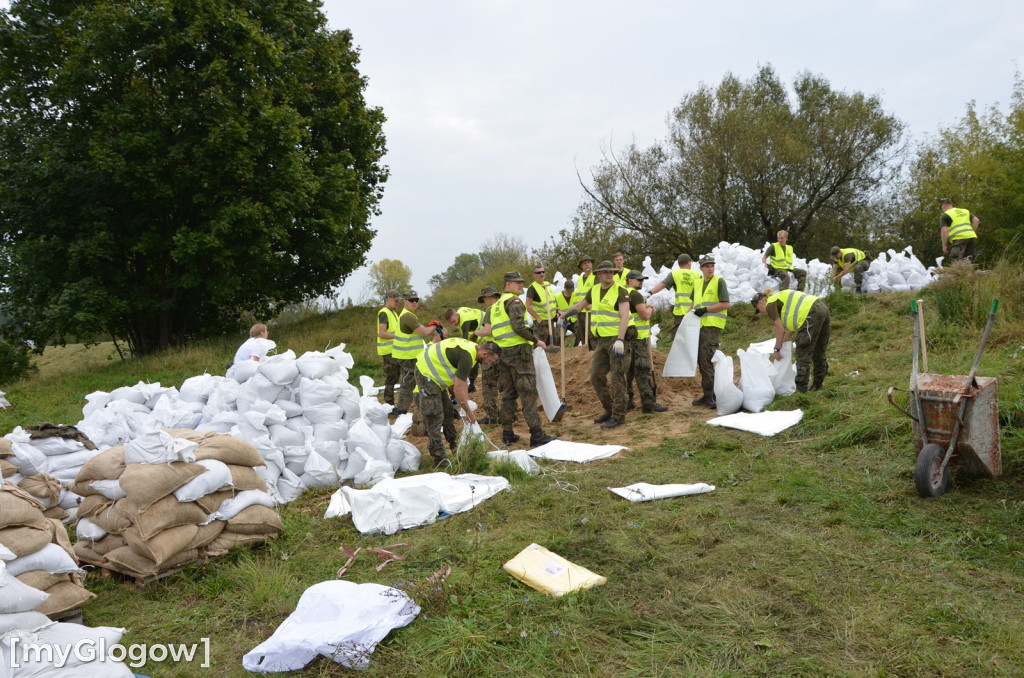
[(311, 427), (44, 460), (39, 556), (171, 498), (761, 378)]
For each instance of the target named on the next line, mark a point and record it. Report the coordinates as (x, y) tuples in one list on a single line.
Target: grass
[(814, 556)]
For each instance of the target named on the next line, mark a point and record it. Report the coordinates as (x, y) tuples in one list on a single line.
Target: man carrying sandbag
[(805, 318)]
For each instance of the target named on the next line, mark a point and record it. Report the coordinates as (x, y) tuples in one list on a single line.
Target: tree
[(389, 275), (467, 268), (742, 161), (166, 166)]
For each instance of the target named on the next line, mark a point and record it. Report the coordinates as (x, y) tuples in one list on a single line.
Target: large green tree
[(165, 166), (745, 159)]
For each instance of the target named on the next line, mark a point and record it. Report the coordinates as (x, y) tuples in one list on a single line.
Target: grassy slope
[(814, 556)]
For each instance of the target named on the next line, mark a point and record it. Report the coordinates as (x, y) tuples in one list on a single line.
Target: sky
[(494, 107)]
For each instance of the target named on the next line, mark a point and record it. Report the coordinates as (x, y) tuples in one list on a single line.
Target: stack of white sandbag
[(309, 424), (46, 458), (894, 271), (761, 378), (161, 502), (40, 555)]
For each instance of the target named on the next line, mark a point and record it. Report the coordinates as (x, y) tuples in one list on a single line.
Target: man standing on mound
[(712, 308)]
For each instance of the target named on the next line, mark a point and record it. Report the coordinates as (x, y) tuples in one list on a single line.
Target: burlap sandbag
[(229, 450), (64, 597), (256, 519), (111, 517), (107, 465), (60, 534), (93, 504), (206, 534), (7, 469), (163, 546), (43, 487), (146, 484), (211, 502), (25, 539), (245, 478), (227, 540), (6, 449), (166, 513), (56, 512), (85, 554), (127, 561), (41, 579), (18, 507)]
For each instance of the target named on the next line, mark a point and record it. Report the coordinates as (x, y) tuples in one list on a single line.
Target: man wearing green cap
[(506, 325), (640, 366), (850, 259), (488, 373), (804, 318), (609, 311), (407, 346), (584, 281), (387, 325), (712, 308)]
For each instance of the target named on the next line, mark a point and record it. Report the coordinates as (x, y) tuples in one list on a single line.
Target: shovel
[(561, 408)]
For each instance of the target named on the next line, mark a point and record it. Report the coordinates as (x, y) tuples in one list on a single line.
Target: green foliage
[(167, 166), (963, 295), (389, 275), (15, 361), (743, 161), (461, 282)]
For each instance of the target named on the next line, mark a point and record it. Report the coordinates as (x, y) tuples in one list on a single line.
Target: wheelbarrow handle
[(892, 402)]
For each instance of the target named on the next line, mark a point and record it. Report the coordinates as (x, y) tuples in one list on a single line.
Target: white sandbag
[(325, 413), (546, 384), (243, 371), (289, 407), (638, 492), (338, 506), (302, 424), (270, 473), (335, 430), (70, 460), (336, 619), (374, 411), (401, 425), (755, 380), (29, 460), (159, 447), (383, 432), (69, 499), (270, 412), (216, 476), (66, 476), (374, 472), (360, 434), (315, 392), (784, 379), (349, 402), (411, 456), (316, 365), (366, 384), (295, 459), (283, 436), (89, 652), (318, 472), (17, 597), (727, 395), (132, 394), (197, 389), (85, 529), (395, 452), (229, 508), (51, 558), (329, 450), (6, 554), (55, 445), (520, 458), (682, 356), (22, 621), (109, 488), (762, 423), (289, 486), (357, 460), (343, 357), (94, 402), (261, 388), (279, 369)]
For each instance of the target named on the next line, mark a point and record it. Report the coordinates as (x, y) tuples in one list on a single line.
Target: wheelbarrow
[(956, 420)]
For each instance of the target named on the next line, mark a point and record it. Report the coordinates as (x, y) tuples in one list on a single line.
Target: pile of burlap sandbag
[(43, 556), (171, 498), (44, 460)]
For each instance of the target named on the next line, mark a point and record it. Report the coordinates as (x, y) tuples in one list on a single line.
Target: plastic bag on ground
[(549, 572), (755, 380), (638, 492), (728, 396)]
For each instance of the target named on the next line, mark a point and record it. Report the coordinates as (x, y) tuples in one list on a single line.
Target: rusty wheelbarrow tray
[(956, 420)]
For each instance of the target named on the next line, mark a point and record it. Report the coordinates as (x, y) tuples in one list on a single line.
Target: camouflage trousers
[(489, 381), (962, 249), (540, 330), (392, 373), (812, 346), (783, 275), (517, 379), (438, 413), (641, 370), (408, 379), (859, 269), (604, 362), (710, 340)]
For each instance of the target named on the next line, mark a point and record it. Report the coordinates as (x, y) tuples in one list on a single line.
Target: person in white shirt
[(252, 348)]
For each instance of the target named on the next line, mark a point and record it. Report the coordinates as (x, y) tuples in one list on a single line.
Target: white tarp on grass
[(400, 503), (337, 619), (567, 450), (646, 492), (763, 423)]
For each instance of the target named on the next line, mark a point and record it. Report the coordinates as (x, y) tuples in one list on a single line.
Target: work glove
[(619, 348), (700, 311)]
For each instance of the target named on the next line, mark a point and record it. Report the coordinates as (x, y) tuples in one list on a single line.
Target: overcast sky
[(493, 106)]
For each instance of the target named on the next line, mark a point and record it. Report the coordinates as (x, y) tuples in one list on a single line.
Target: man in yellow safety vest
[(804, 318), (640, 366), (387, 325), (712, 308), (959, 231), (779, 258), (850, 259), (407, 347), (540, 304), (682, 280)]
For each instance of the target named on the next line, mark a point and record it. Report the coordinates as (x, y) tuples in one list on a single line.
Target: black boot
[(656, 407), (538, 437), (509, 437)]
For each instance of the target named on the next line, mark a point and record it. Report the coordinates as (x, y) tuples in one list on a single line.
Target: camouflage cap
[(393, 294), (635, 275), (605, 266), (706, 259), (684, 259), (514, 276), (835, 252), (488, 291), (584, 258), (411, 295), (758, 296)]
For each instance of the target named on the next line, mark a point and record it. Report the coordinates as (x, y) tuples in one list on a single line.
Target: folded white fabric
[(646, 492), (566, 450), (763, 423)]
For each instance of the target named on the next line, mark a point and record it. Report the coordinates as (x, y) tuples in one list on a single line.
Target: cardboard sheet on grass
[(550, 573), (567, 450), (337, 619), (400, 503), (762, 423), (638, 492)]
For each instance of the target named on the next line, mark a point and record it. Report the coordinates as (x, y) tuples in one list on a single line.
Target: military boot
[(509, 437), (538, 437)]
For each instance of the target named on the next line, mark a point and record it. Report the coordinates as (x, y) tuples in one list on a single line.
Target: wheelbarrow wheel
[(930, 476)]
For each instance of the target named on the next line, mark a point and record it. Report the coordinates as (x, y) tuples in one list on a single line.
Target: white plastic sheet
[(638, 492), (762, 423), (546, 384), (337, 619), (682, 356), (567, 450)]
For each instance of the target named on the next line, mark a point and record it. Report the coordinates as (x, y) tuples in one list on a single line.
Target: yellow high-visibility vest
[(385, 346), (684, 280), (583, 284), (501, 327), (962, 229), (795, 307), (469, 314), (781, 258), (562, 303), (406, 346), (545, 303), (433, 363), (604, 312), (708, 296), (857, 256)]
